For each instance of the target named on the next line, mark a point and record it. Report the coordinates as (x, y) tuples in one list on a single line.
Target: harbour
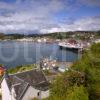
[(14, 53)]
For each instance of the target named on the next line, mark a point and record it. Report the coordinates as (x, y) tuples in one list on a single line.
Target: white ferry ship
[(71, 45)]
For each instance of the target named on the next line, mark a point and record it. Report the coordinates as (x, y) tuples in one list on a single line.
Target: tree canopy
[(81, 82)]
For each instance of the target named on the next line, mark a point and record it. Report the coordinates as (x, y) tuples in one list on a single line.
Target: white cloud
[(34, 15), (90, 23), (28, 16)]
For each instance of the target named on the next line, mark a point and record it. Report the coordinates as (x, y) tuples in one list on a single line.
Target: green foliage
[(73, 93), (82, 81), (14, 36), (77, 93), (98, 34), (60, 35), (21, 68), (2, 36), (60, 87), (95, 50), (90, 65)]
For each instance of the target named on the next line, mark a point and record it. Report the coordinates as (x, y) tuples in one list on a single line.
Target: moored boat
[(71, 45)]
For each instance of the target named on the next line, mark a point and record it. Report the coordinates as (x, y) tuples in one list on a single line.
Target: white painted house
[(24, 86)]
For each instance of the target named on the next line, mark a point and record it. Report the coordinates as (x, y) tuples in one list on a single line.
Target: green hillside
[(82, 81)]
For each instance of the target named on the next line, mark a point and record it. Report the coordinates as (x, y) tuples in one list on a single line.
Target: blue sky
[(44, 16)]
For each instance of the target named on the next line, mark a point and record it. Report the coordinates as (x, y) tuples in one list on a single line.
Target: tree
[(2, 36), (82, 81), (77, 93), (90, 65)]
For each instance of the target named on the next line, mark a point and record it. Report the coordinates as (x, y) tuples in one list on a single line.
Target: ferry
[(71, 45)]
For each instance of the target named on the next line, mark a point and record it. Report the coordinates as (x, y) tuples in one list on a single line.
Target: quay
[(47, 64)]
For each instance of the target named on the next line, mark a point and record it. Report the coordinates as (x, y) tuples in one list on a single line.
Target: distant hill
[(56, 35)]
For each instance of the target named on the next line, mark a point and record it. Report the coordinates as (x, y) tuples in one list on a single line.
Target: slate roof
[(21, 81)]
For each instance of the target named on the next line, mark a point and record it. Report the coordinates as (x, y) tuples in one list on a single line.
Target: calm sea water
[(13, 54)]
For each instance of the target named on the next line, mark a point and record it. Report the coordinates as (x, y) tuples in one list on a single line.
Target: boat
[(71, 45)]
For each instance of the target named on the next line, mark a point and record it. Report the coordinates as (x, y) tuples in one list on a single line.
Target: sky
[(47, 16)]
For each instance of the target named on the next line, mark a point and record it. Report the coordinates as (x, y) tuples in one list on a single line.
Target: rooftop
[(21, 81)]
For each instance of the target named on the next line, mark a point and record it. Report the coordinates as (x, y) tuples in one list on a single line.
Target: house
[(24, 86), (47, 64)]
